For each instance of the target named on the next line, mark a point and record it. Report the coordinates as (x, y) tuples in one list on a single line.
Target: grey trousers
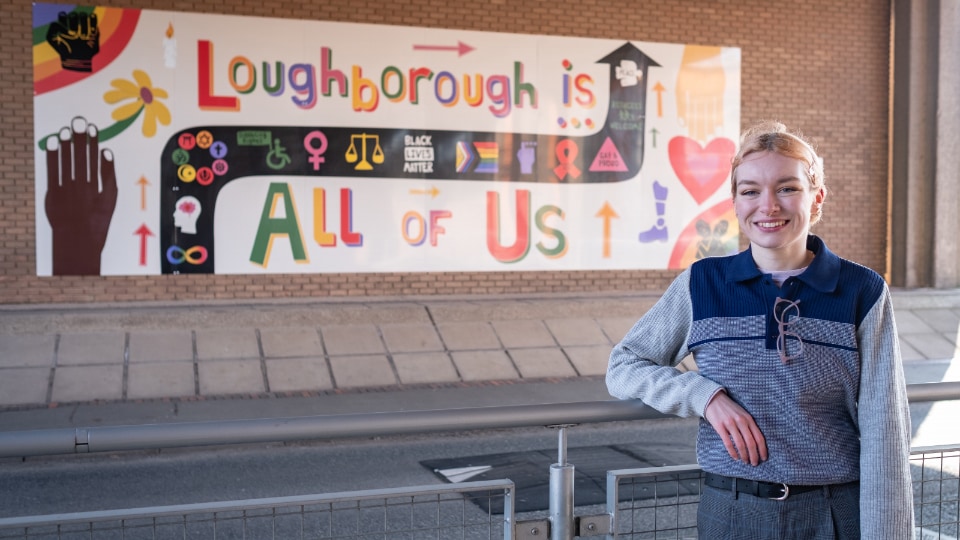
[(827, 514)]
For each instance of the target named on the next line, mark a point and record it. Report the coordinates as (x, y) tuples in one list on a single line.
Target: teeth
[(770, 224)]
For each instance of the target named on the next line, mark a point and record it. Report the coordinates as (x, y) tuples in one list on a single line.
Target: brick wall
[(821, 65)]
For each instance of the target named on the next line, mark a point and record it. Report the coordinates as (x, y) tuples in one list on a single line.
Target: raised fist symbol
[(76, 38)]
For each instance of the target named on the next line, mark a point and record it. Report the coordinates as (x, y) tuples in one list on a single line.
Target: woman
[(805, 427)]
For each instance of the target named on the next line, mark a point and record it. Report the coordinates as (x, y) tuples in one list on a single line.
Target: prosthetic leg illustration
[(657, 233)]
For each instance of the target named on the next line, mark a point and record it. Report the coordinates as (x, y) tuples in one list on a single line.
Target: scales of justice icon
[(352, 155)]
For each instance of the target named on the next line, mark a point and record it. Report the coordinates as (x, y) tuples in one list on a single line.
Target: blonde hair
[(774, 137)]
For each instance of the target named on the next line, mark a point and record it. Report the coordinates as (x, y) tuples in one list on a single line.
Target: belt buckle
[(786, 493)]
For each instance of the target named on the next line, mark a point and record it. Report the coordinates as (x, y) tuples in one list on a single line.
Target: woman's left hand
[(739, 431)]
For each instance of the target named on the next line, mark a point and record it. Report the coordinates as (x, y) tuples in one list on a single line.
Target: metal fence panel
[(413, 513), (654, 503), (643, 504), (936, 482)]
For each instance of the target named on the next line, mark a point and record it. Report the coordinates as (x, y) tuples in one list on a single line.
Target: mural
[(172, 143)]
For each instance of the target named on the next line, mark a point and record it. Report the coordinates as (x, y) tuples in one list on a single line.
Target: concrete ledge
[(47, 318), (925, 298)]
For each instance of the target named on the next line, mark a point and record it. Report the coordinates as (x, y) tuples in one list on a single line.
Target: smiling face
[(774, 202)]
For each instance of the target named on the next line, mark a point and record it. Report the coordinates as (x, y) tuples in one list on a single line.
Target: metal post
[(561, 492), (562, 446)]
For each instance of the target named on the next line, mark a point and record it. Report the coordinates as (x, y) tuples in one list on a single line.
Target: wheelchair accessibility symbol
[(277, 157)]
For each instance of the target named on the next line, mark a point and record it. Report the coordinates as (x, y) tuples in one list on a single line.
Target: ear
[(820, 195)]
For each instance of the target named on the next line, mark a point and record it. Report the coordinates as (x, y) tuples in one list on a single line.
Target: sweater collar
[(822, 274)]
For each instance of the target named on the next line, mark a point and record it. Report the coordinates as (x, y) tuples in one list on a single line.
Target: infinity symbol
[(193, 255)]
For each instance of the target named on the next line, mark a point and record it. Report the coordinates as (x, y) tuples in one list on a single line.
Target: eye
[(749, 193)]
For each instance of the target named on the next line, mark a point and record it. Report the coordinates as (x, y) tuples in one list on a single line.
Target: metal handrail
[(155, 436)]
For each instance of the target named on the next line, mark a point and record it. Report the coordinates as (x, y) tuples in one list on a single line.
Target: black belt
[(767, 490)]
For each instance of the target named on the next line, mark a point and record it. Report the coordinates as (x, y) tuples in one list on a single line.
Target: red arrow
[(144, 232), (143, 183), (461, 48)]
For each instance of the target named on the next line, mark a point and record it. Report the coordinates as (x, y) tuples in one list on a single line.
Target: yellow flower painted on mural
[(143, 98)]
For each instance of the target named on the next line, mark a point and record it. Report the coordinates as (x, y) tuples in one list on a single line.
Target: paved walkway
[(60, 355)]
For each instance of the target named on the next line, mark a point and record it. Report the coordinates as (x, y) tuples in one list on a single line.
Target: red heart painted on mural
[(701, 170)]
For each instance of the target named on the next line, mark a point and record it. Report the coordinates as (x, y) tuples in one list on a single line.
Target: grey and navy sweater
[(835, 413)]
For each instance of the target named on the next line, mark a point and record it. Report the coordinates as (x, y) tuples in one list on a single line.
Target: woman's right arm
[(643, 365)]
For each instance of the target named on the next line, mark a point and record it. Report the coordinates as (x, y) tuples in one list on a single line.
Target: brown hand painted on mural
[(81, 197), (76, 38)]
